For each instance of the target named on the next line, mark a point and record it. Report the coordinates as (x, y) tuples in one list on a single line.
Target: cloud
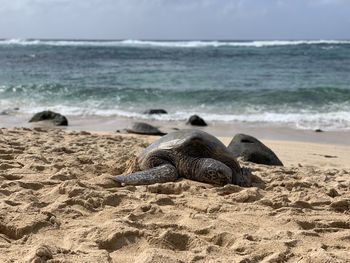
[(175, 18)]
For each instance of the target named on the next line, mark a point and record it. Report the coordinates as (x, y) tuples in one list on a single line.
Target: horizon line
[(174, 40)]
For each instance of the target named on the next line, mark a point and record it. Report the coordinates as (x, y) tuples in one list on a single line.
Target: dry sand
[(58, 204)]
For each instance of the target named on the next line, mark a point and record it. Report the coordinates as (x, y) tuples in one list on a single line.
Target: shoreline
[(262, 131)]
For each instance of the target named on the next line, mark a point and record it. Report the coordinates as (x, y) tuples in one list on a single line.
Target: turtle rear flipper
[(160, 174)]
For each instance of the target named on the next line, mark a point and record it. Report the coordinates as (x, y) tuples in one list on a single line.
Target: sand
[(58, 204)]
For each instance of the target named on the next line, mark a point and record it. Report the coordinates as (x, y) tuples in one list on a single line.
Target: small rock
[(155, 111), (318, 130), (56, 118), (252, 150), (195, 120)]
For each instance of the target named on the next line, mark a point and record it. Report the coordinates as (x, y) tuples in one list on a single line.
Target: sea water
[(302, 84)]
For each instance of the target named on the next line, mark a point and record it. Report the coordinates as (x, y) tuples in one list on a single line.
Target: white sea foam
[(172, 44), (338, 120), (231, 43)]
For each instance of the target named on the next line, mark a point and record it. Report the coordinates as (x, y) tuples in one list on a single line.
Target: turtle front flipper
[(160, 174)]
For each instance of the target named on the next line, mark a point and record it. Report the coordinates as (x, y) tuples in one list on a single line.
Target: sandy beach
[(87, 85), (59, 204)]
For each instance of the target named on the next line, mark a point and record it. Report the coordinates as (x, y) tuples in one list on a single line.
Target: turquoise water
[(304, 84)]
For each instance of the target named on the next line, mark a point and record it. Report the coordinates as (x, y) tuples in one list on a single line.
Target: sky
[(175, 19)]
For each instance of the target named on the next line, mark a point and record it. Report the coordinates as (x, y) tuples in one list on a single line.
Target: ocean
[(300, 84)]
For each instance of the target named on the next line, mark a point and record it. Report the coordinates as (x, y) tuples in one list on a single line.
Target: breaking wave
[(171, 44), (339, 120)]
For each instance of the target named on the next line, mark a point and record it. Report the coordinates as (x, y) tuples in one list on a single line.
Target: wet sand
[(221, 129)]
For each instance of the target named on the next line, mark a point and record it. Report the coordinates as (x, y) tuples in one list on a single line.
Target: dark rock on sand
[(195, 120), (155, 111), (252, 150), (318, 130), (56, 118), (144, 128)]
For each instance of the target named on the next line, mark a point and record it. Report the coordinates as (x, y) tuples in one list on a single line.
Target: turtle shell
[(190, 142)]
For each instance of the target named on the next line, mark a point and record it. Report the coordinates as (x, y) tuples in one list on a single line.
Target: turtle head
[(210, 171), (244, 178)]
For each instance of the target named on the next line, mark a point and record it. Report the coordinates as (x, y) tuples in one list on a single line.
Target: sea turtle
[(144, 128), (192, 154)]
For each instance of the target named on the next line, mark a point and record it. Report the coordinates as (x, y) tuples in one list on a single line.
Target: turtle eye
[(246, 141)]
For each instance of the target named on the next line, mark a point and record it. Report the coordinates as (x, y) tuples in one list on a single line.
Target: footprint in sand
[(174, 240)]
